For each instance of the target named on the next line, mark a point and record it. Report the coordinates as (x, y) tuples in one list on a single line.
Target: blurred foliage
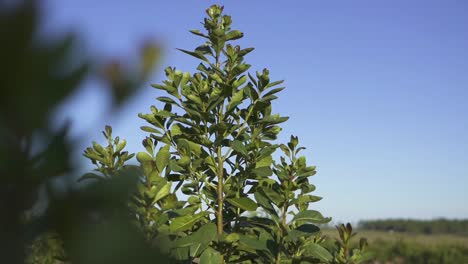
[(435, 226), (37, 76)]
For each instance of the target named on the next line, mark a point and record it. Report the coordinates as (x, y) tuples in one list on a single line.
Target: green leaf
[(194, 98), (150, 129), (268, 223), (239, 147), (216, 77), (163, 192), (294, 141), (195, 148), (239, 81), (185, 78), (253, 243), (204, 49), (184, 161), (198, 33), (273, 195), (88, 176), (163, 87), (181, 253), (263, 202), (197, 55), (121, 146), (168, 100), (274, 84), (306, 172), (186, 222), (164, 114), (204, 235), (235, 100), (99, 148), (268, 98), (170, 202), (198, 240), (311, 216), (272, 92), (244, 203), (173, 166), (211, 256), (273, 119), (317, 251), (265, 162), (143, 157), (262, 172), (307, 199), (302, 231), (307, 188), (232, 237), (285, 149), (176, 130), (162, 158), (193, 200), (245, 51), (233, 35)]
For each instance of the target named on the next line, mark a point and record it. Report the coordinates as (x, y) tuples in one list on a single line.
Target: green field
[(396, 247), (428, 240)]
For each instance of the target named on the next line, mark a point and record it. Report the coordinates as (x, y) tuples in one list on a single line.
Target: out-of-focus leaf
[(211, 256)]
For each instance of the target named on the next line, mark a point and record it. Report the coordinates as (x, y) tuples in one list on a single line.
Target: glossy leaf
[(311, 216), (162, 158), (317, 251), (234, 34), (195, 54), (186, 222), (239, 147), (244, 203), (235, 100), (143, 157), (305, 230)]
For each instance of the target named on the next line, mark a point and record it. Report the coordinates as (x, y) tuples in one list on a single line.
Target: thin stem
[(220, 221), (283, 216), (220, 192), (278, 258)]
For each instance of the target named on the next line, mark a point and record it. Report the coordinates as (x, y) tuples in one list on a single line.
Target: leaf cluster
[(344, 253), (212, 137)]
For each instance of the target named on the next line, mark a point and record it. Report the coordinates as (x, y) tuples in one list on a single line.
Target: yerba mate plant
[(211, 137)]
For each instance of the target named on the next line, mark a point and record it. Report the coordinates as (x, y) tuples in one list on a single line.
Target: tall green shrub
[(211, 137)]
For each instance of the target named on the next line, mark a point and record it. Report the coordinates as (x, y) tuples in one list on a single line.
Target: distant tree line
[(436, 226)]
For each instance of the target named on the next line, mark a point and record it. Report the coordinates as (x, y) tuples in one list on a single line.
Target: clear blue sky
[(376, 90)]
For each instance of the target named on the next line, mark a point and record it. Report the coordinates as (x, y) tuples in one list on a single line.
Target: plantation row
[(411, 248), (436, 226)]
